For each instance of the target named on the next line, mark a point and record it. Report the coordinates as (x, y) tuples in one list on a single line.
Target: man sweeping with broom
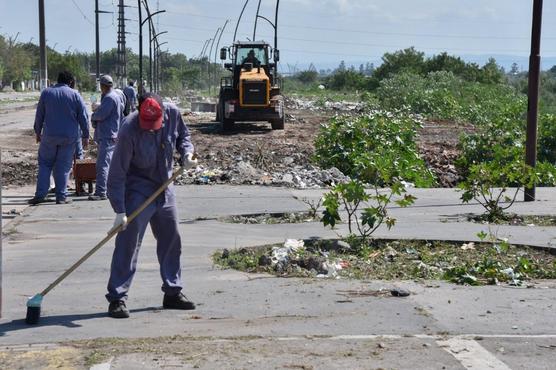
[(142, 161)]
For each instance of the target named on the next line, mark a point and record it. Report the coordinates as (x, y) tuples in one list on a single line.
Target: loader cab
[(246, 56)]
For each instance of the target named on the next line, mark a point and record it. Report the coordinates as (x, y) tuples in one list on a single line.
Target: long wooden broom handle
[(115, 230)]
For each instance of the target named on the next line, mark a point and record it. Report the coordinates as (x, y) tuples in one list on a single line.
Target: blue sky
[(323, 32)]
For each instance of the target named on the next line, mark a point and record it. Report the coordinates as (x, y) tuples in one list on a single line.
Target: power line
[(383, 33), (82, 13)]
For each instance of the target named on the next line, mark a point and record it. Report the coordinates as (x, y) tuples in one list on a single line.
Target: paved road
[(257, 321)]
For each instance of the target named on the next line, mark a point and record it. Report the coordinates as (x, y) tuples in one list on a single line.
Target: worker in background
[(131, 98), (106, 120), (79, 154), (61, 121), (123, 102), (142, 162)]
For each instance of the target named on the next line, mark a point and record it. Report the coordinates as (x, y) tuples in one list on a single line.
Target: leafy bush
[(352, 196), (488, 182), (346, 79), (442, 95), (547, 138), (502, 141), (307, 77), (377, 148)]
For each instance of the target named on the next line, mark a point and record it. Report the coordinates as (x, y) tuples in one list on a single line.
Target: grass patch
[(461, 263)]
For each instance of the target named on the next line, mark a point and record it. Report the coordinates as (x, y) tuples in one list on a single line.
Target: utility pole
[(97, 43), (97, 48), (533, 94), (140, 86), (43, 74), (122, 65)]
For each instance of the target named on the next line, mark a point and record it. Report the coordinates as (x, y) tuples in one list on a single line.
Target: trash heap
[(293, 257), (243, 173), (320, 105)]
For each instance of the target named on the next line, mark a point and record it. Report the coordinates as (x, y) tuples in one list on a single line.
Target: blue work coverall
[(142, 162), (61, 120), (107, 118), (131, 96)]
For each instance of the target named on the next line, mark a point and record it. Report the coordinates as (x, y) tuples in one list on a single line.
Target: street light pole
[(149, 19), (155, 60), (533, 94), (209, 55), (159, 59), (217, 45)]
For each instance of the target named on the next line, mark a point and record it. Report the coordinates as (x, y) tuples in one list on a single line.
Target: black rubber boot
[(118, 310), (177, 302), (34, 201)]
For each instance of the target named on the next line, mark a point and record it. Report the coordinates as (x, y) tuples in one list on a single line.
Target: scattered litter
[(467, 246), (283, 254)]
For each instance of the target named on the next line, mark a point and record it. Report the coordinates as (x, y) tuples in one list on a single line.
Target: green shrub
[(488, 182), (502, 141), (365, 211), (547, 138), (377, 148), (442, 95)]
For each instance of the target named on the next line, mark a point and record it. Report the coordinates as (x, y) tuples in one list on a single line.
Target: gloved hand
[(189, 161), (121, 219)]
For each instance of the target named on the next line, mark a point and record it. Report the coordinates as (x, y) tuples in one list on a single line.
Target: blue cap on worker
[(106, 80)]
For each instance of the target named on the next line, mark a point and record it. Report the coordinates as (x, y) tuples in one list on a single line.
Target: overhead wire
[(82, 13)]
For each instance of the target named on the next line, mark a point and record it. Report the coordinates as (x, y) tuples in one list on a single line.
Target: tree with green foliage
[(18, 65), (407, 60), (447, 63), (307, 77)]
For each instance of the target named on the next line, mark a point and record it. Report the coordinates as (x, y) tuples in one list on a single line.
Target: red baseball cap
[(151, 113)]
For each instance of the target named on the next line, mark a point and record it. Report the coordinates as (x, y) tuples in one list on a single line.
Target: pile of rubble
[(243, 173), (297, 103), (441, 162)]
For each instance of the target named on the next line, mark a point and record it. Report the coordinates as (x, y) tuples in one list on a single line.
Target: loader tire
[(277, 124)]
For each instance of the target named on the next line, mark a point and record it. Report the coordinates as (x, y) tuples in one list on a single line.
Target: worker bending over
[(142, 162)]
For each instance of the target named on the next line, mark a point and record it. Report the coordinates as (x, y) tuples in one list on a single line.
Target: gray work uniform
[(142, 162)]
